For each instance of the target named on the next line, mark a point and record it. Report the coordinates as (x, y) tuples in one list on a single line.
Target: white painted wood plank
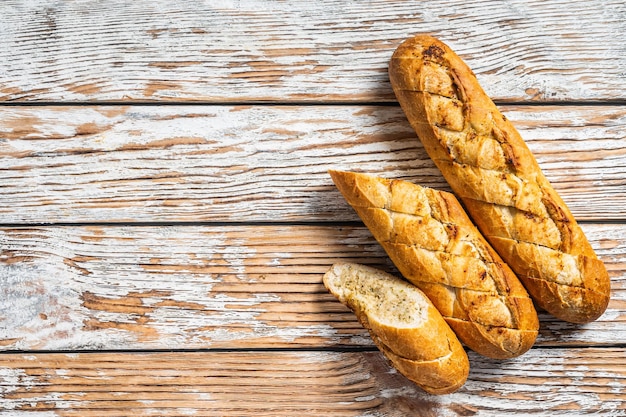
[(265, 163), (194, 287), (327, 50), (555, 382)]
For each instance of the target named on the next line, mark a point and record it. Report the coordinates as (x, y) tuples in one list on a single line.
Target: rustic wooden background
[(166, 215)]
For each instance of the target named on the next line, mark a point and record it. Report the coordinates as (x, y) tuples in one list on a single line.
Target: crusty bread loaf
[(404, 325), (493, 172), (435, 246)]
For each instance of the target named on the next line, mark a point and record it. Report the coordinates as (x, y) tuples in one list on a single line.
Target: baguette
[(403, 324), (435, 246), (493, 172)]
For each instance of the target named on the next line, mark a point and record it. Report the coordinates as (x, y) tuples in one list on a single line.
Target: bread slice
[(435, 246), (404, 325), (491, 169)]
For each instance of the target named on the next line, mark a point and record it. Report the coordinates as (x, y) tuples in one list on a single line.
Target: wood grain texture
[(195, 287), (558, 383), (265, 163), (164, 227), (234, 51)]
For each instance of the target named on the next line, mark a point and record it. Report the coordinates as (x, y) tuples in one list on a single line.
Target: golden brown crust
[(414, 337), (493, 172), (433, 243), (563, 280), (439, 376)]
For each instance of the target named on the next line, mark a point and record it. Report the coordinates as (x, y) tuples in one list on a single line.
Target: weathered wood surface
[(306, 383), (234, 51), (166, 215), (265, 163), (184, 287)]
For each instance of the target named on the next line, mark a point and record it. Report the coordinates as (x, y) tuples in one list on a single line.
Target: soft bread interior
[(399, 315), (385, 299)]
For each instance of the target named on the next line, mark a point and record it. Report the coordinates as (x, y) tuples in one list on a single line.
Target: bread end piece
[(404, 325)]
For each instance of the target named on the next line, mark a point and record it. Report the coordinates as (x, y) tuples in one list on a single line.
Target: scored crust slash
[(480, 269)]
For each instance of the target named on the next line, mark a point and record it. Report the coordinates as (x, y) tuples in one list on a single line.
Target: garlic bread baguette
[(436, 247), (493, 172), (403, 324)]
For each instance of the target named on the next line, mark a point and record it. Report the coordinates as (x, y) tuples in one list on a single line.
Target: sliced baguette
[(403, 324), (491, 169), (435, 246)]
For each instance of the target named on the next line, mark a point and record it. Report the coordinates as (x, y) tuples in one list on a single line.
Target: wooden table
[(166, 214)]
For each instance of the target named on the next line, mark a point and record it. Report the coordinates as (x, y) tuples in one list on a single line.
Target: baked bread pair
[(458, 287), (471, 296), (469, 277)]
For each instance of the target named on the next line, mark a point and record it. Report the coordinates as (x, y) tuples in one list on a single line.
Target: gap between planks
[(618, 102), (294, 349), (279, 223)]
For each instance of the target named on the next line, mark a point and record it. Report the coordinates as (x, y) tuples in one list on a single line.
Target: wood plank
[(234, 51), (542, 382), (265, 163), (195, 287)]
